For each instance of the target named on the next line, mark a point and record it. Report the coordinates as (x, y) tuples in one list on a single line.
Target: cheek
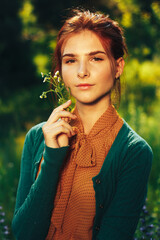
[(68, 74), (107, 76), (66, 77), (64, 74)]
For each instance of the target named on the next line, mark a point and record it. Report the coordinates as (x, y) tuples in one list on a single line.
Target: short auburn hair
[(107, 30)]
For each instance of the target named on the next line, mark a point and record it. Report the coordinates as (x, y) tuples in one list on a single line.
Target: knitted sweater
[(120, 187)]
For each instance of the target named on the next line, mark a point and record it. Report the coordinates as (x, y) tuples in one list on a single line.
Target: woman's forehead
[(81, 42)]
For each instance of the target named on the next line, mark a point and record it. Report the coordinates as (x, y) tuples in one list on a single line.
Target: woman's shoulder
[(35, 134), (36, 129), (132, 137), (131, 143)]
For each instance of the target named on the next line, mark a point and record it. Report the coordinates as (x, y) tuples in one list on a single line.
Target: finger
[(50, 128), (59, 130), (65, 119), (61, 114), (63, 106), (65, 124)]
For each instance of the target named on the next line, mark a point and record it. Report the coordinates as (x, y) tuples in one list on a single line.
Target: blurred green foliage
[(27, 43)]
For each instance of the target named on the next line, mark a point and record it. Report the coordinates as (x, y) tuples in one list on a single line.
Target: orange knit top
[(74, 203)]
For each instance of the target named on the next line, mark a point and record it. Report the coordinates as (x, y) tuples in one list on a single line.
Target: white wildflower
[(57, 73), (42, 74)]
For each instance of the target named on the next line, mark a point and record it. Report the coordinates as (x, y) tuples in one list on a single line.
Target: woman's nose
[(83, 71)]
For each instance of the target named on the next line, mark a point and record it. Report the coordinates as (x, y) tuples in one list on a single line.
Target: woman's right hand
[(57, 130)]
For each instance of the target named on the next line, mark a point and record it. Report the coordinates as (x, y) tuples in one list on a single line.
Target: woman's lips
[(84, 86)]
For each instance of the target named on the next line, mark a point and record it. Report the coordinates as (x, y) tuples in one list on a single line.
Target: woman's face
[(86, 68)]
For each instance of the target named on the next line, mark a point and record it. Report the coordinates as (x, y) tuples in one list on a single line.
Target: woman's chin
[(93, 101), (85, 101)]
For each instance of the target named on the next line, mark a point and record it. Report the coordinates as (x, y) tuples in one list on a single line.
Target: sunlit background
[(27, 42)]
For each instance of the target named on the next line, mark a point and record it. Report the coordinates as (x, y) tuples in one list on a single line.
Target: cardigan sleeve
[(34, 202), (121, 217)]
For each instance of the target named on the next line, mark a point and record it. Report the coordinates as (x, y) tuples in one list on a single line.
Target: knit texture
[(74, 204)]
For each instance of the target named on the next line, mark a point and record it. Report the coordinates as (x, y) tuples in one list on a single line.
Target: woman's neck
[(89, 114)]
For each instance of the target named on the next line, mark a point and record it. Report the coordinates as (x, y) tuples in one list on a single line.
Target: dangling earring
[(116, 92)]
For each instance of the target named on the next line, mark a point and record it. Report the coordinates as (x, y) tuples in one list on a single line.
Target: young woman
[(84, 174)]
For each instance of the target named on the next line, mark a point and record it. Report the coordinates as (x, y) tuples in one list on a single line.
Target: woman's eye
[(70, 61), (97, 59)]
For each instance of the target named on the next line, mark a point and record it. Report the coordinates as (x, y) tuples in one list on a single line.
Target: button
[(97, 228), (101, 206), (98, 181)]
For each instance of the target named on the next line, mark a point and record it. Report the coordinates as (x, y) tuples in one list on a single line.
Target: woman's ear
[(119, 67)]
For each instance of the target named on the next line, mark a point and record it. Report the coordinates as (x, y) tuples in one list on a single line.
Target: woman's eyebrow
[(69, 55), (95, 52), (90, 54)]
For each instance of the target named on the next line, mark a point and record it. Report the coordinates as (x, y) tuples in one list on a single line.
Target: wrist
[(51, 144)]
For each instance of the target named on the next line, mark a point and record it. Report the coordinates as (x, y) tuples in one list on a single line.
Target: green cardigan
[(120, 187)]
